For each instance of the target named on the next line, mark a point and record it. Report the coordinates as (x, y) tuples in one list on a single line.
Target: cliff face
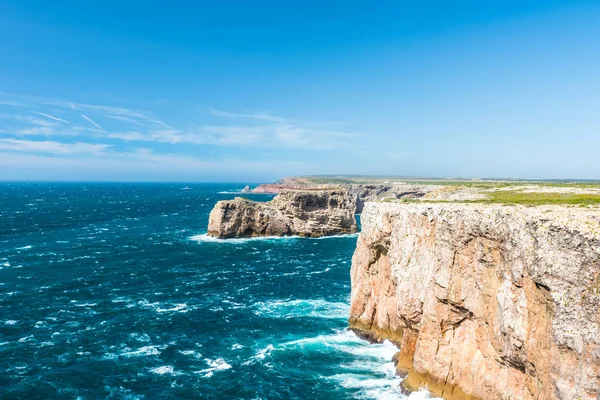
[(309, 213), (486, 301)]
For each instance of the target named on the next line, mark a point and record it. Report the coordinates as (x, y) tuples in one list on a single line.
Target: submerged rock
[(486, 301), (307, 213)]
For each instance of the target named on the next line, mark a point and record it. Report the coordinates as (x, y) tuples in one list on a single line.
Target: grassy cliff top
[(526, 192), (476, 183)]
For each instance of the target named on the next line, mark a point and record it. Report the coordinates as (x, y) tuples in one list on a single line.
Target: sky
[(252, 91)]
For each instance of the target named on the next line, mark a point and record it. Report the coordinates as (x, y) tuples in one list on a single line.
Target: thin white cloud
[(92, 122), (52, 147), (151, 120), (124, 119), (251, 130), (51, 117), (259, 116), (36, 102), (40, 130), (277, 136), (163, 136), (13, 104)]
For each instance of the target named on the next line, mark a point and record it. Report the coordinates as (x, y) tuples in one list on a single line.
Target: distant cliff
[(307, 213), (486, 301)]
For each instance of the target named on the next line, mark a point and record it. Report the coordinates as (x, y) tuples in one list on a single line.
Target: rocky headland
[(490, 289), (485, 301), (306, 213)]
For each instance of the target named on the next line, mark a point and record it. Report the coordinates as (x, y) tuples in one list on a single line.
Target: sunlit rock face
[(307, 213), (485, 301)]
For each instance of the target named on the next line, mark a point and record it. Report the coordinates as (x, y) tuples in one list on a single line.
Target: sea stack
[(486, 301), (306, 213)]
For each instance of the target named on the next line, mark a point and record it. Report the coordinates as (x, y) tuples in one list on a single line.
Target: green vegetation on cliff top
[(519, 197), (474, 183), (495, 191)]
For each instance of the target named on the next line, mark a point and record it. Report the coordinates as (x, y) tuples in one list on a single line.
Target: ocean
[(114, 291)]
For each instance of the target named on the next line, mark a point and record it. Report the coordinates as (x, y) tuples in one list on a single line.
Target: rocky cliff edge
[(486, 301)]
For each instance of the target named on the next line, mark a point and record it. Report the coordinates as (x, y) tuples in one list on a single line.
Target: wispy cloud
[(40, 130), (51, 117), (162, 136), (259, 116), (227, 128), (91, 121), (13, 104), (52, 147), (69, 106), (124, 119), (279, 132)]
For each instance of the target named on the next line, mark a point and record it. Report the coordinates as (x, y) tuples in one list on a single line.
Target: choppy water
[(114, 291)]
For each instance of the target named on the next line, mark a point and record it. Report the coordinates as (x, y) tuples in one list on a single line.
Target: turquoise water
[(114, 291)]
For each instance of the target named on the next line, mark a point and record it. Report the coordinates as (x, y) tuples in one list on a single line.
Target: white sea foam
[(142, 352), (207, 238), (422, 395), (371, 388), (24, 248), (346, 235), (164, 370), (10, 322), (217, 364), (140, 337), (190, 353), (183, 308), (41, 324), (301, 309), (319, 272), (26, 339), (204, 237), (85, 304), (371, 375), (262, 354), (238, 191), (382, 351)]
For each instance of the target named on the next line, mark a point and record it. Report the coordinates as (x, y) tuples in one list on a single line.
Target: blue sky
[(257, 90)]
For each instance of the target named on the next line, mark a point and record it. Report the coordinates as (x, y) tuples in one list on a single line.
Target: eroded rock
[(307, 213), (485, 301)]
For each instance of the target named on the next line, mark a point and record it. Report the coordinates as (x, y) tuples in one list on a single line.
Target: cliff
[(366, 191), (486, 301), (307, 213)]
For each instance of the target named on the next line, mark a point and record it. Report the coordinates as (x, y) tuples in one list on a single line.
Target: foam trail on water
[(370, 375), (211, 239), (205, 237), (301, 309)]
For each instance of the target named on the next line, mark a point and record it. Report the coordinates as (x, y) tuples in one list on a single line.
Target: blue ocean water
[(115, 291)]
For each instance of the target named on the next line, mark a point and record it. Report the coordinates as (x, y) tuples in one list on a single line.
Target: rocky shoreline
[(490, 290)]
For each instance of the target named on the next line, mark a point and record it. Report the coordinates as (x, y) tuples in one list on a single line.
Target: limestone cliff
[(486, 301), (308, 213)]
